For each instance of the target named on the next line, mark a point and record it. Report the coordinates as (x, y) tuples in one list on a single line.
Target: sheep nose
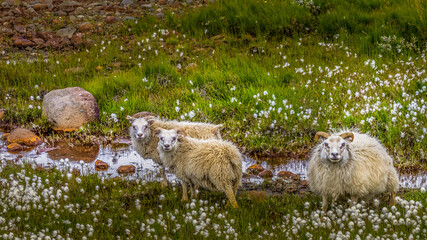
[(139, 134), (166, 145), (334, 155)]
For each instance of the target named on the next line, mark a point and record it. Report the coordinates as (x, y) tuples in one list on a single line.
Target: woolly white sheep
[(145, 143), (351, 164), (211, 164)]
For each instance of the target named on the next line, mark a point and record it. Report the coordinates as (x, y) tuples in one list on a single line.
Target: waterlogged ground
[(82, 157)]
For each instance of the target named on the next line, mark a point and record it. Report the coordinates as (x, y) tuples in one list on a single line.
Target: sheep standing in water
[(351, 164), (145, 143), (211, 164)]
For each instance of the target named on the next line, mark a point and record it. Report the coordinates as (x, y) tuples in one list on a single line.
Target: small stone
[(98, 68), (60, 13), (14, 147), (162, 2), (20, 29), (257, 196), (42, 150), (100, 165), (66, 32), (22, 42), (117, 64), (127, 2), (53, 43), (76, 41), (38, 41), (40, 6), (79, 11), (67, 4), (86, 26), (255, 169), (110, 19), (304, 183), (288, 175), (6, 31), (24, 136), (266, 174), (126, 169)]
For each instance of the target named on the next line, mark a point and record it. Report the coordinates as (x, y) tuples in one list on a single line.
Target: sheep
[(146, 145), (351, 164), (211, 164)]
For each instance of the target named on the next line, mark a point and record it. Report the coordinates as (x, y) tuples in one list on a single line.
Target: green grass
[(309, 56), (52, 202)]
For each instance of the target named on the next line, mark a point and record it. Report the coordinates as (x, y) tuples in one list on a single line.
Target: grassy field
[(273, 72), (50, 204)]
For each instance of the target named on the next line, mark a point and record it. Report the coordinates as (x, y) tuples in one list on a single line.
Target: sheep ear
[(150, 119), (131, 119), (348, 136), (321, 134), (158, 130), (180, 133), (180, 137)]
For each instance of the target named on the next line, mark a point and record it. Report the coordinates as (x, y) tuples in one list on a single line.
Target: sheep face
[(168, 139), (140, 128), (335, 148)]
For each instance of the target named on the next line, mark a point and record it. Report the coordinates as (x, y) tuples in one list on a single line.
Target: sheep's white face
[(168, 139), (335, 149), (140, 129)]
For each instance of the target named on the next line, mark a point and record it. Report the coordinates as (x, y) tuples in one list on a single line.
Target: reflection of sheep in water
[(212, 164), (145, 143), (351, 164)]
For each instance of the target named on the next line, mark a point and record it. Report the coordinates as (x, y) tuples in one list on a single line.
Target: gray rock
[(127, 2), (66, 32), (69, 108), (60, 13), (7, 4), (67, 4), (149, 5)]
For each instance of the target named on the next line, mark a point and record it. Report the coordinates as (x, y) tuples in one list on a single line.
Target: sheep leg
[(391, 201), (324, 203), (163, 175), (230, 195), (236, 186), (184, 191), (192, 190)]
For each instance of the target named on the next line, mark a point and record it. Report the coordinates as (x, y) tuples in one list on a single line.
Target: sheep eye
[(173, 139), (326, 145), (162, 139), (134, 127), (343, 145)]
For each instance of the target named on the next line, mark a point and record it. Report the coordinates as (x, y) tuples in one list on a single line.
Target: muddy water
[(67, 155)]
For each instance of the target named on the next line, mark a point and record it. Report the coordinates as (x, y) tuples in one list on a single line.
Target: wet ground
[(83, 157)]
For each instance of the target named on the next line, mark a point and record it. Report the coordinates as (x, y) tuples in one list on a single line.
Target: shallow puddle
[(83, 157)]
